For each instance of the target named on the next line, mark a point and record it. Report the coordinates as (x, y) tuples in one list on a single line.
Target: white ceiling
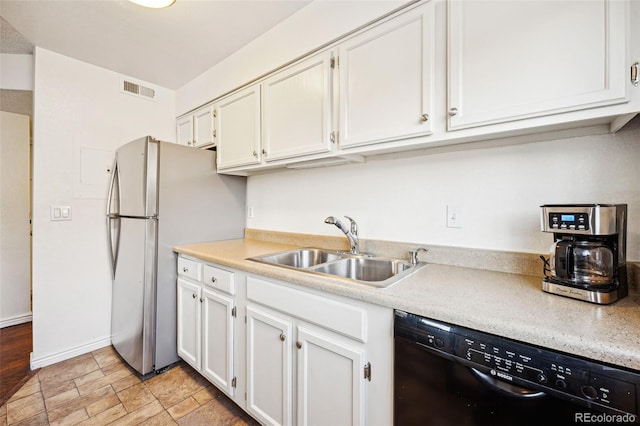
[(167, 47)]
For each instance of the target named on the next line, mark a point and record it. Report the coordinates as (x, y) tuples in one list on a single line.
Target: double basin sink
[(373, 271)]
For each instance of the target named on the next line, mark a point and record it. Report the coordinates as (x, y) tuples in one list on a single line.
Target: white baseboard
[(69, 353), (20, 319)]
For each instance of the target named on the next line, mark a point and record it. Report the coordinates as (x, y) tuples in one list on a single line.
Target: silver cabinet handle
[(255, 154), (453, 111), (635, 79), (282, 337), (424, 118)]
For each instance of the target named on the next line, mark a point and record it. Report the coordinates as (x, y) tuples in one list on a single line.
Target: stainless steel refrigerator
[(161, 194)]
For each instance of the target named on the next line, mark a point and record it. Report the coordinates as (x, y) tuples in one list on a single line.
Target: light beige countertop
[(504, 304)]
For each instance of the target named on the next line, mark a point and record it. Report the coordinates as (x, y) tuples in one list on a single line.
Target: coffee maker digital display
[(587, 259)]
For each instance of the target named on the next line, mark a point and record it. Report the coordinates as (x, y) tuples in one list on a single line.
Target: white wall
[(499, 190), (15, 284), (16, 72), (312, 26), (80, 119)]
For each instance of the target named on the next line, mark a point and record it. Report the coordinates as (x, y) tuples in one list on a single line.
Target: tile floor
[(99, 389)]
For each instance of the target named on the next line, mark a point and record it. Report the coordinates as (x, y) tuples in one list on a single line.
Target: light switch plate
[(60, 212)]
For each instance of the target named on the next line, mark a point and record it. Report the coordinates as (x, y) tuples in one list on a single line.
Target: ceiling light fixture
[(154, 4)]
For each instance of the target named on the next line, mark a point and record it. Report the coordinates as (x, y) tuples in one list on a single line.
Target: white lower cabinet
[(331, 379), (189, 322), (328, 376), (206, 325), (299, 357), (269, 366), (217, 340)]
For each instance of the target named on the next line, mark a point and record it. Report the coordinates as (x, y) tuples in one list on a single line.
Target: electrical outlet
[(454, 216), (250, 212)]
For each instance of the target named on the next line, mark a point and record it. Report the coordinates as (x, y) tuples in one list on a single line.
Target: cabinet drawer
[(189, 268), (219, 279), (348, 320)]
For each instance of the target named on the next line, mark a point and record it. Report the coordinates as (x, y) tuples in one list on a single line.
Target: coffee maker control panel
[(569, 221), (585, 219)]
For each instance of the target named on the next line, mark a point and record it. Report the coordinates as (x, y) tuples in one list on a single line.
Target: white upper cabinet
[(296, 109), (237, 125), (196, 129), (184, 130), (386, 80), (203, 127), (510, 60), (436, 72)]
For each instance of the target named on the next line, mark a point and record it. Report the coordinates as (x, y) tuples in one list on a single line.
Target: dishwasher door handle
[(504, 387)]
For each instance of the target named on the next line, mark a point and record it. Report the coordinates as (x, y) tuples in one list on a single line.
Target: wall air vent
[(137, 89)]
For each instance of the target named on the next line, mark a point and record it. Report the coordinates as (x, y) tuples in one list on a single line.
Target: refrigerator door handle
[(111, 218), (111, 183), (113, 223)]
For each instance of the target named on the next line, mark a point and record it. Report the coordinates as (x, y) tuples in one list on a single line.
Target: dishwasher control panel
[(587, 382)]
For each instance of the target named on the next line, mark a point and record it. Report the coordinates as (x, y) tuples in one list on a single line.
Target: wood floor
[(15, 349)]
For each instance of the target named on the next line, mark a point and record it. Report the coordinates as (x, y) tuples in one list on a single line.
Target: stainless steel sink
[(373, 271), (364, 268), (300, 258)]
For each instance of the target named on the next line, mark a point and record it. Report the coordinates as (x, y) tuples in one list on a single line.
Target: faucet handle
[(354, 226), (414, 254)]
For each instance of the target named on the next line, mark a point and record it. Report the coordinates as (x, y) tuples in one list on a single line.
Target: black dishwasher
[(450, 375)]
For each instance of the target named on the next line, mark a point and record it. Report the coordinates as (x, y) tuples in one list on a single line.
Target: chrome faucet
[(351, 233), (413, 254)]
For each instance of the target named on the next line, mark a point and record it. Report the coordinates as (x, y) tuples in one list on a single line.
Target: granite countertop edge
[(505, 304)]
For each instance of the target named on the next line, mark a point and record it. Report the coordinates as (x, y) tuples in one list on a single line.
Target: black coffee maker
[(588, 256)]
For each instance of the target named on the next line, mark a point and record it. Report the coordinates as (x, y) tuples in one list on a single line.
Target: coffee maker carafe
[(587, 259)]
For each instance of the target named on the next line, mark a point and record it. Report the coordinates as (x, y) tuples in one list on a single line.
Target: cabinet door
[(386, 80), (296, 109), (184, 130), (237, 124), (203, 127), (269, 375), (331, 387), (510, 60), (189, 320), (217, 340)]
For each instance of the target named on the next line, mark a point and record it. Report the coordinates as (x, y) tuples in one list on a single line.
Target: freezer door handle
[(113, 221), (113, 186)]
